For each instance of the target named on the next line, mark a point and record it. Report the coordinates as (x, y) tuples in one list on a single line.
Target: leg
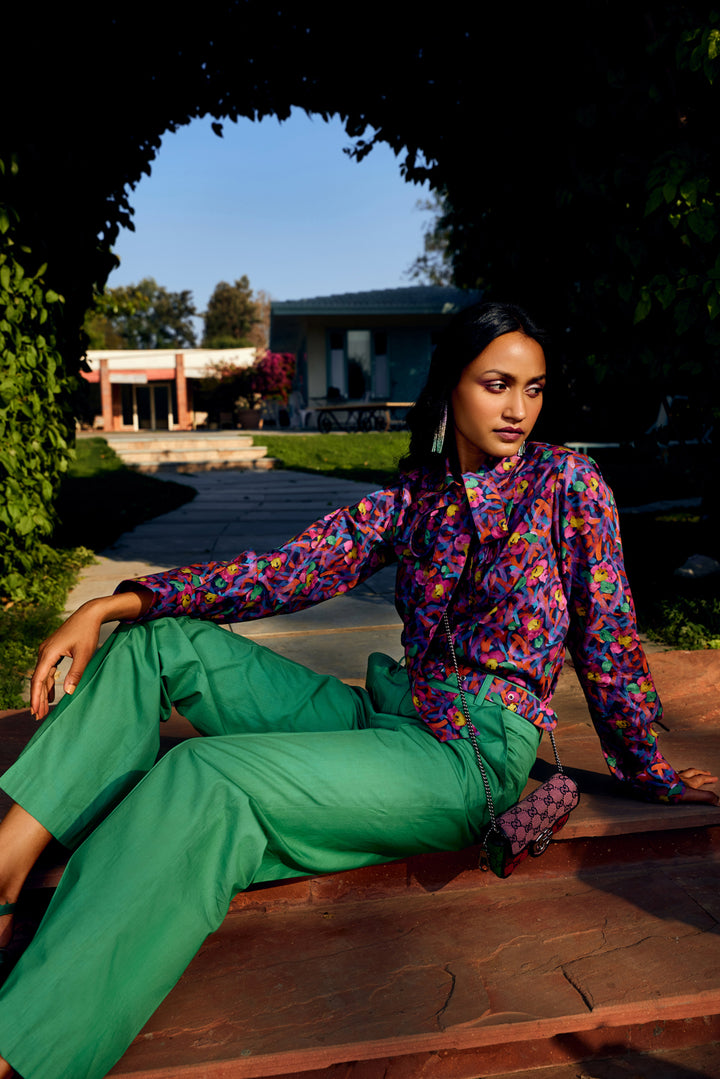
[(99, 743), (157, 875), (22, 840)]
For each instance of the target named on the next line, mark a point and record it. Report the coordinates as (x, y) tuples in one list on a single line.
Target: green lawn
[(373, 456)]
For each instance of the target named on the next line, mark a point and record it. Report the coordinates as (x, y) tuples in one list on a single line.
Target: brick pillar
[(106, 395), (182, 420), (117, 421)]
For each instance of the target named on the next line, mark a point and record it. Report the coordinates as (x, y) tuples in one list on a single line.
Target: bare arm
[(78, 639)]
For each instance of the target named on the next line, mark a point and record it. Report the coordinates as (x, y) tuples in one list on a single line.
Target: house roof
[(415, 300)]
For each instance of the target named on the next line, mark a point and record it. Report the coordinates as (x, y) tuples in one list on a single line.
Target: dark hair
[(466, 336)]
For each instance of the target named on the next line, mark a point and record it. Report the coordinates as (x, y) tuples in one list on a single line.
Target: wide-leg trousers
[(299, 774)]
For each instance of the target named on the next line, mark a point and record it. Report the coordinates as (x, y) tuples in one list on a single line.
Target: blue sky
[(279, 202)]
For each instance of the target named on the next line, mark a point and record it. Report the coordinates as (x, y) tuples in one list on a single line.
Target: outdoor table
[(363, 415)]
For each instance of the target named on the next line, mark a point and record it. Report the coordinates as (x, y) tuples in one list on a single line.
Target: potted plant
[(248, 397), (242, 390)]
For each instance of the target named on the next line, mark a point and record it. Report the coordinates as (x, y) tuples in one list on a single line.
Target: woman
[(300, 774)]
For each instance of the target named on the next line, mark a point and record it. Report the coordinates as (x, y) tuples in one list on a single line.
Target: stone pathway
[(236, 510)]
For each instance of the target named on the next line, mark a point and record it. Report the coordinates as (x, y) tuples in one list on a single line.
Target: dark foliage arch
[(578, 149)]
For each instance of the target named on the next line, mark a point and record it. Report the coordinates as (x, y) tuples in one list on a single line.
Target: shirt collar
[(497, 470), (488, 496)]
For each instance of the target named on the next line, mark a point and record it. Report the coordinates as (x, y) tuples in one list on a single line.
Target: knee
[(197, 764)]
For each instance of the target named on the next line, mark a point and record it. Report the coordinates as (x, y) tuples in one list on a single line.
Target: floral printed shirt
[(525, 556)]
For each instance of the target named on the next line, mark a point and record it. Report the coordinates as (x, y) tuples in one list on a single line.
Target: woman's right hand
[(77, 638)]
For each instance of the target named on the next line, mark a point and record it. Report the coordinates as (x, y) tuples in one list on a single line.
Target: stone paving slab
[(233, 511), (332, 649), (281, 992)]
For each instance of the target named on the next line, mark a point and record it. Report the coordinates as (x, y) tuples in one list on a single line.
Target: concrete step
[(189, 452), (167, 455), (179, 441)]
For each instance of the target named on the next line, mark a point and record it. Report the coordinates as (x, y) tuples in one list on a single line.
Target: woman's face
[(498, 399)]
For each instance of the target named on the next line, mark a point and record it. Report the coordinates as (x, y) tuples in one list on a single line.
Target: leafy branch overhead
[(579, 172)]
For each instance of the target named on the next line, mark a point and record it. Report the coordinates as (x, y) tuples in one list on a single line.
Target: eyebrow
[(512, 378)]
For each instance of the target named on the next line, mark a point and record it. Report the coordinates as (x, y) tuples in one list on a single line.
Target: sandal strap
[(7, 908)]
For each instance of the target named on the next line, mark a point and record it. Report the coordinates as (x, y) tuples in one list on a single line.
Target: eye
[(495, 387), (534, 391)]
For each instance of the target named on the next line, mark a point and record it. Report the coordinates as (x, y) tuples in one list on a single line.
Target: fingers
[(77, 639), (695, 780), (81, 658), (697, 777), (50, 653), (42, 685)]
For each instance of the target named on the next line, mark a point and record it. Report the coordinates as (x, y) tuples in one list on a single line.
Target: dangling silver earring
[(521, 451), (439, 439)]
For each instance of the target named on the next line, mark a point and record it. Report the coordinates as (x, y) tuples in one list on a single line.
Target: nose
[(515, 407)]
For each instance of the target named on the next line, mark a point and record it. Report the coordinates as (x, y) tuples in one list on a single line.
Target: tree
[(549, 129), (151, 317), (101, 320), (259, 335), (141, 316), (434, 266), (232, 315), (603, 215)]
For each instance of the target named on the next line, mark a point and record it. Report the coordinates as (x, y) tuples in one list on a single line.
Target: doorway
[(149, 407)]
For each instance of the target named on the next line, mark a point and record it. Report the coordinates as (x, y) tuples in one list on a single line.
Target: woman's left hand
[(695, 779)]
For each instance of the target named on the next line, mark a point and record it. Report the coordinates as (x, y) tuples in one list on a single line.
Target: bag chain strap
[(472, 730)]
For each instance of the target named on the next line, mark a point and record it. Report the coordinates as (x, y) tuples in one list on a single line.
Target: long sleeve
[(603, 637), (329, 557)]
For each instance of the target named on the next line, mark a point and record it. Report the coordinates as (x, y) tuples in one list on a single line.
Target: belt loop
[(484, 688)]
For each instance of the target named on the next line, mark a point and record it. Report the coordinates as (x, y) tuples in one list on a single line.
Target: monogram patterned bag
[(527, 827)]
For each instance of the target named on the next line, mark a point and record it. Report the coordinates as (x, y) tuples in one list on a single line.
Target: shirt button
[(511, 696)]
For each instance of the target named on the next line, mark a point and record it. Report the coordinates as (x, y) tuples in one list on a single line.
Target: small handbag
[(527, 827)]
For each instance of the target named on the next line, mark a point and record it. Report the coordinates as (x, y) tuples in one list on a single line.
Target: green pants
[(299, 774)]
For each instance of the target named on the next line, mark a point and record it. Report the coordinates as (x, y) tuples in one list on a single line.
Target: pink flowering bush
[(270, 377), (274, 374)]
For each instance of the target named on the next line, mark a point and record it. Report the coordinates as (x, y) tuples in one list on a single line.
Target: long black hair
[(461, 342)]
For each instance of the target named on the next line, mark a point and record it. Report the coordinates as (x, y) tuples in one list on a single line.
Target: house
[(365, 345), (358, 345), (151, 389)]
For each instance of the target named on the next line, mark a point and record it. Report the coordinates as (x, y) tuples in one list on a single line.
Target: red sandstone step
[(696, 1062), (428, 967), (434, 974), (608, 1055)]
